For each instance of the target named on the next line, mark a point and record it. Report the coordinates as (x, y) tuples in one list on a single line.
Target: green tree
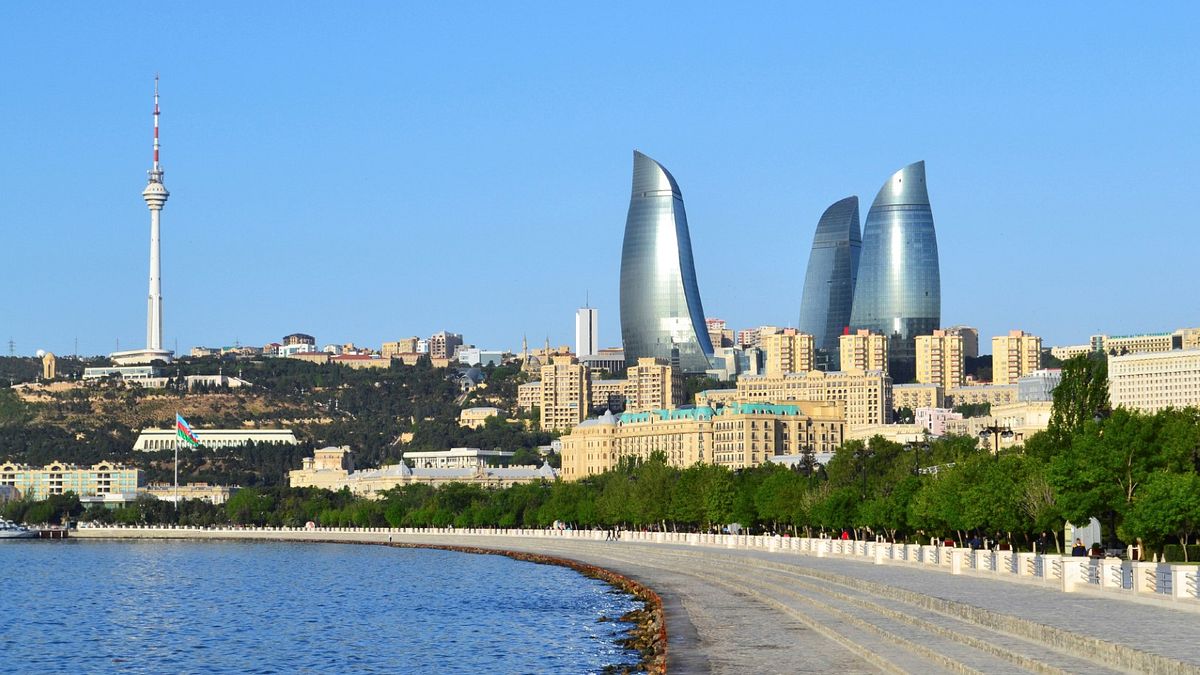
[(1081, 395), (1167, 506)]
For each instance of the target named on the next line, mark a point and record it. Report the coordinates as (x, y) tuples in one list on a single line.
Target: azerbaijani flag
[(184, 431)]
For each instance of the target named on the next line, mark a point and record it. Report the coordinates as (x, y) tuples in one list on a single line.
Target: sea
[(79, 606)]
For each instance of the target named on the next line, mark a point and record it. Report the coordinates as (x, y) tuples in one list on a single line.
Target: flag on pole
[(184, 431)]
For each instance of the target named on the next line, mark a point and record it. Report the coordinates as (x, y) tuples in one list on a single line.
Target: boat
[(11, 530)]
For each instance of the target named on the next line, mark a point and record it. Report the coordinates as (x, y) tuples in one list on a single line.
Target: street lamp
[(997, 432), (917, 447)]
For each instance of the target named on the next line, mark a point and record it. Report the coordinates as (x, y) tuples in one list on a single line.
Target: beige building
[(863, 350), (1155, 381), (970, 338), (993, 394), (529, 396), (866, 396), (652, 384), (913, 396), (737, 435), (1023, 419), (940, 359), (333, 469), (99, 482), (442, 345), (312, 357), (1014, 355), (213, 494), (49, 366), (360, 361), (401, 346), (789, 351), (715, 397), (1070, 351), (566, 393), (896, 433), (476, 418)]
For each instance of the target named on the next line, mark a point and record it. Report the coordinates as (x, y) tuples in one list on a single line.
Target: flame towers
[(829, 283), (661, 314), (898, 290)]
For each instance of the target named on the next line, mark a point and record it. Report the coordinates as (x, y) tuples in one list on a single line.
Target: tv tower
[(155, 195)]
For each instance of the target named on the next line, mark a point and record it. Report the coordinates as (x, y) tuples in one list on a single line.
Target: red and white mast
[(155, 195)]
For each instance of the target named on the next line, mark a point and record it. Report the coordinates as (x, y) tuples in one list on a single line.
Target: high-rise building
[(566, 393), (866, 395), (789, 351), (661, 311), (401, 346), (1152, 381), (970, 338), (587, 331), (898, 290), (443, 345), (940, 359), (718, 334), (653, 384), (155, 196), (864, 350), (829, 283), (1014, 355)]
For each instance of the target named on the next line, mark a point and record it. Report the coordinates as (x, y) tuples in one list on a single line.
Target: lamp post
[(997, 432), (917, 447)]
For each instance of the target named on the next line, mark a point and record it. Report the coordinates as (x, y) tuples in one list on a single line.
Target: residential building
[(934, 419), (1023, 419), (730, 362), (442, 345), (609, 394), (992, 394), (402, 346), (300, 339), (1014, 355), (587, 331), (1070, 351), (298, 348), (970, 340), (360, 361), (151, 440), (898, 290), (864, 350), (737, 435), (828, 296), (940, 359), (866, 395), (653, 384), (474, 356), (1154, 381), (529, 396), (789, 351), (718, 334), (913, 396), (105, 481), (661, 313), (605, 361), (476, 418), (566, 393)]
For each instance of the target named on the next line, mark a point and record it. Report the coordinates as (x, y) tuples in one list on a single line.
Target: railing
[(1067, 573)]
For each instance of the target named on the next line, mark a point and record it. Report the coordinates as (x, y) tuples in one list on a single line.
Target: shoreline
[(648, 637)]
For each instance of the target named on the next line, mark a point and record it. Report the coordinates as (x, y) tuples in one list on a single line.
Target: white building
[(151, 440), (474, 356), (297, 348), (1153, 381), (587, 331), (455, 458)]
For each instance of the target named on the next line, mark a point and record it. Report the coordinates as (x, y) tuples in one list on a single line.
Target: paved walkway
[(739, 611)]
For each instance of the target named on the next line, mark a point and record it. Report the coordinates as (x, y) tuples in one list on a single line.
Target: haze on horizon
[(369, 172)]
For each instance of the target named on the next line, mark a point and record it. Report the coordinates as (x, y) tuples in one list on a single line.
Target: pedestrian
[(1079, 550), (1097, 551), (389, 538)]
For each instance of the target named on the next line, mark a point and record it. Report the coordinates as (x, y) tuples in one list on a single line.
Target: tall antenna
[(12, 347), (156, 170)]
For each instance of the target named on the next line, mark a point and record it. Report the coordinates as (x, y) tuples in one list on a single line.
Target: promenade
[(759, 604)]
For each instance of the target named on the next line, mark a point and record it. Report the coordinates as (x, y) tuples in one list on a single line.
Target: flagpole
[(177, 470)]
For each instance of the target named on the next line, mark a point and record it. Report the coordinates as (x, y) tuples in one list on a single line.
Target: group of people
[(1079, 550)]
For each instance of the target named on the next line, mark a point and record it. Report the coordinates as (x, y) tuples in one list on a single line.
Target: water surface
[(275, 607)]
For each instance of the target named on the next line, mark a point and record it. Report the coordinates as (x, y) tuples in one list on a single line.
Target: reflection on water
[(191, 607)]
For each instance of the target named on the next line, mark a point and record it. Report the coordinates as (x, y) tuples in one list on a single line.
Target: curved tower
[(829, 282), (898, 290), (661, 314)]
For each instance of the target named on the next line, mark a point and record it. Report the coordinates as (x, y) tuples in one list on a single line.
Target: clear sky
[(366, 171)]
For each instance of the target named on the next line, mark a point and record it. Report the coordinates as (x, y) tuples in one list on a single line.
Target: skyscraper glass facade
[(829, 284), (660, 301), (898, 290)]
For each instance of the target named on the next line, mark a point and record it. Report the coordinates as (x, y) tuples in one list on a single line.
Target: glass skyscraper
[(829, 283), (898, 291), (661, 314)]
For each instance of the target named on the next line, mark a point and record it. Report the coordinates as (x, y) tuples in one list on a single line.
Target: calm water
[(140, 607)]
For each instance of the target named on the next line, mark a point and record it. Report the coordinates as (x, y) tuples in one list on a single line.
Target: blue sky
[(367, 171)]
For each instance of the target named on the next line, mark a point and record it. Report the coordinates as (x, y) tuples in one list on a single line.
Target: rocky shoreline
[(649, 634)]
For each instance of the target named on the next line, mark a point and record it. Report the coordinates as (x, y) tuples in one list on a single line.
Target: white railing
[(1066, 573)]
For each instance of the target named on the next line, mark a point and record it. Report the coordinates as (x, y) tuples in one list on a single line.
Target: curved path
[(760, 612)]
